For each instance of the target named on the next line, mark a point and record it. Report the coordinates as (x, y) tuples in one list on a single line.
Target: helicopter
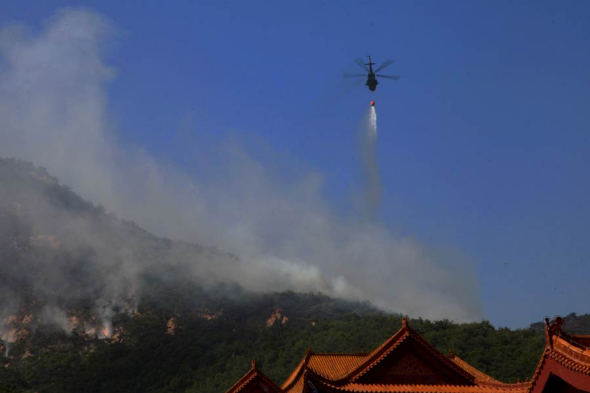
[(372, 82)]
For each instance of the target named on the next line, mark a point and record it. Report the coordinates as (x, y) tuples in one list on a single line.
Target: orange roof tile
[(571, 354), (328, 365), (294, 382), (365, 388), (341, 372), (334, 366), (562, 350), (297, 386)]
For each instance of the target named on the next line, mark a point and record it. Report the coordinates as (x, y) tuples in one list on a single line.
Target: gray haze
[(54, 112)]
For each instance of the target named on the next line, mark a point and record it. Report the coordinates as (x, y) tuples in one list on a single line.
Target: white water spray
[(373, 123), (368, 150)]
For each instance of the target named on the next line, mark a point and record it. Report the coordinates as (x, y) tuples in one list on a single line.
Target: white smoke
[(53, 111)]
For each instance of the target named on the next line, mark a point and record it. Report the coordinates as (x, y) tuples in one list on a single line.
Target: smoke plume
[(54, 112)]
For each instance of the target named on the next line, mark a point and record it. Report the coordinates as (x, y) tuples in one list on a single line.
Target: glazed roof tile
[(327, 365), (296, 386), (376, 388), (340, 372), (570, 351), (296, 377), (335, 366)]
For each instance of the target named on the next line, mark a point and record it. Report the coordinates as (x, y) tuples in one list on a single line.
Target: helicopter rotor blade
[(353, 75), (386, 63), (361, 64), (394, 77)]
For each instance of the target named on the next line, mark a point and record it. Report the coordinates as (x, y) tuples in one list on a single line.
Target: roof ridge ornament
[(254, 364), (405, 321), (554, 328)]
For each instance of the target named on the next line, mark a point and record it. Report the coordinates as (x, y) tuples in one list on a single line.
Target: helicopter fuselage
[(371, 80)]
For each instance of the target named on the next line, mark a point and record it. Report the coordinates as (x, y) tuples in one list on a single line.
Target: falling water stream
[(368, 149), (373, 123)]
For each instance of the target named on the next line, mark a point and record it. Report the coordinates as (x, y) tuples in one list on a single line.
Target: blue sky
[(484, 142)]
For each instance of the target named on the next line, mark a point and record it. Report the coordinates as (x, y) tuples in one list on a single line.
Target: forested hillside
[(171, 345), (92, 303)]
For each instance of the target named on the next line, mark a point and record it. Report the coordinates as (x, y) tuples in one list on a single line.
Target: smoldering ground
[(54, 112)]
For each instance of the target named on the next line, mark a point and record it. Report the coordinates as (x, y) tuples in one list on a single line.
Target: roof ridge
[(424, 384), (427, 388), (249, 376), (341, 354), (472, 369), (301, 366), (378, 354), (375, 357), (571, 340), (441, 356), (540, 366), (246, 378)]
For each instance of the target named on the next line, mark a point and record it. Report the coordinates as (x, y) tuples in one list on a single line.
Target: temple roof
[(331, 366), (254, 381), (403, 363), (565, 356), (416, 388)]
